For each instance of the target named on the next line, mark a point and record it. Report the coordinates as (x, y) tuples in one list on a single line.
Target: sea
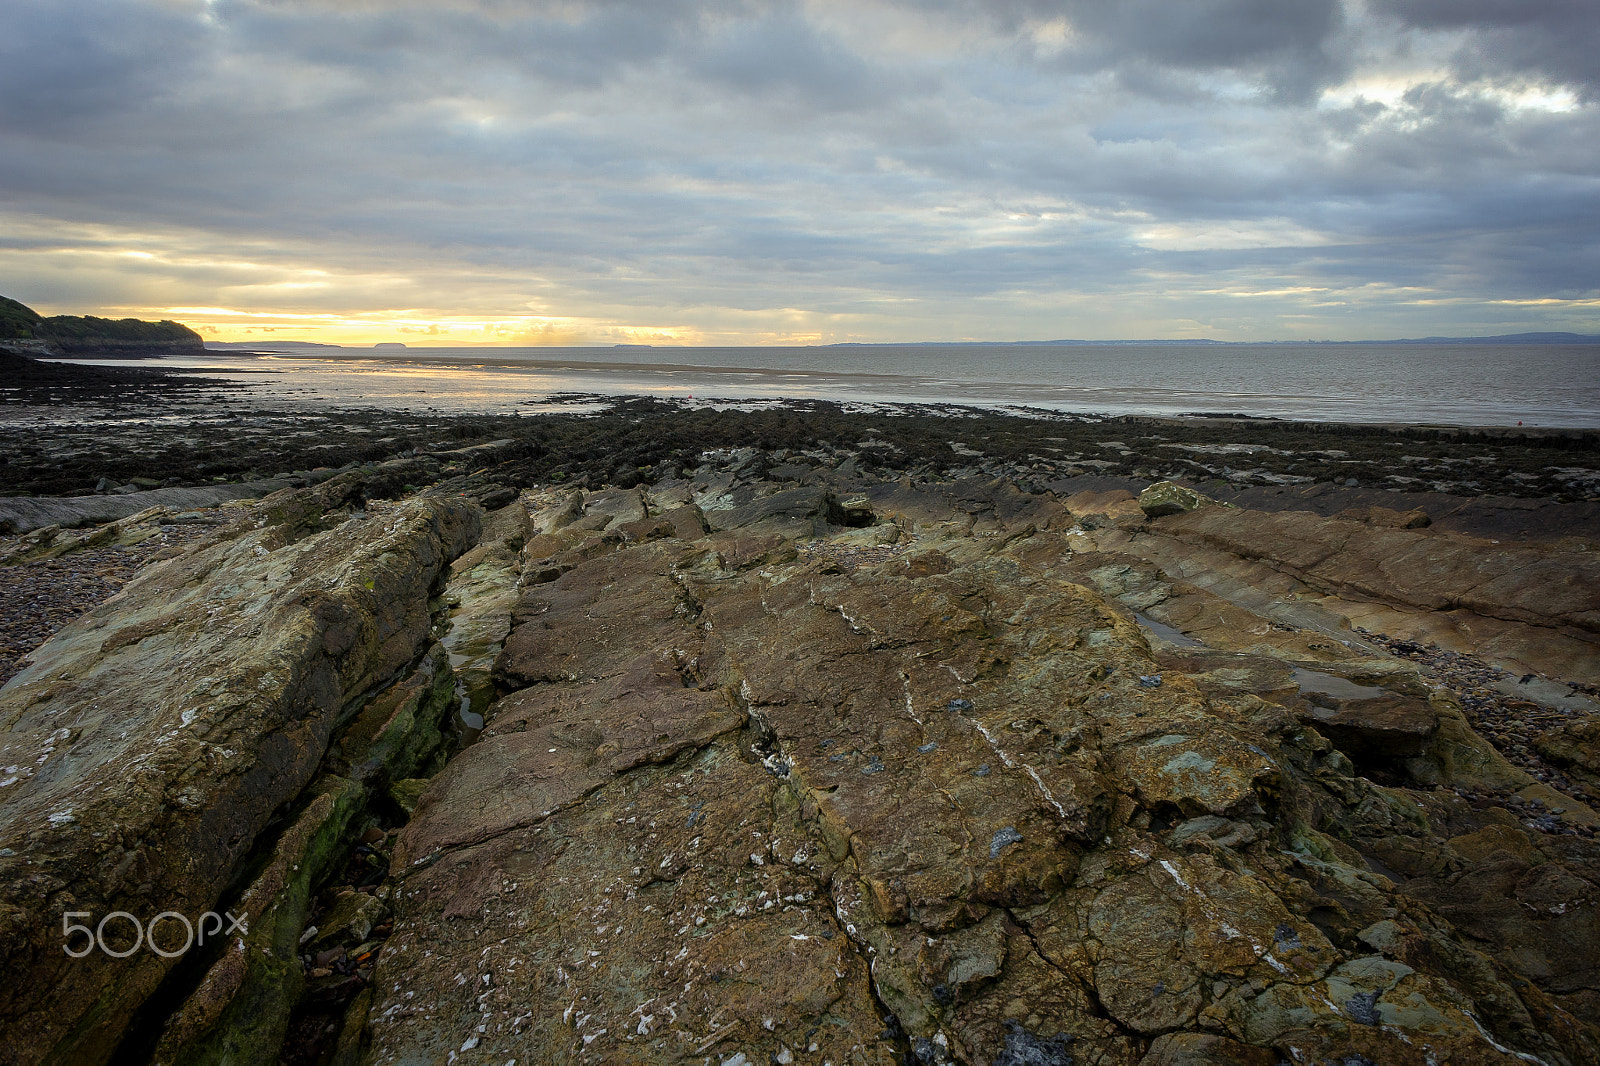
[(1472, 384)]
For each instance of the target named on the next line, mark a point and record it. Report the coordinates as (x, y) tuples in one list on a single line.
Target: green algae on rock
[(163, 731)]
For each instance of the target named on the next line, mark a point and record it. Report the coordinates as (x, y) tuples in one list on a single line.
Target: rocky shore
[(800, 735)]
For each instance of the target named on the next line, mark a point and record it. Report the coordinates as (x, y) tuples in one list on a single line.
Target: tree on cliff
[(88, 334), (17, 321)]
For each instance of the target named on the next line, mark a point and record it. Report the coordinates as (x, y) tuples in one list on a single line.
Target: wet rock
[(1379, 728), (1165, 497), (349, 922), (407, 792), (495, 497)]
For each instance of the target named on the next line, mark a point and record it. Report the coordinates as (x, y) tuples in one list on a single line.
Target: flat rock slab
[(1415, 567), (22, 514), (746, 807)]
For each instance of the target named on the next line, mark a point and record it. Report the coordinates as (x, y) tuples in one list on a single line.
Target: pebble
[(1511, 724), (42, 596)]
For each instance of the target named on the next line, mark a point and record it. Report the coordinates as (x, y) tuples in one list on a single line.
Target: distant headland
[(24, 330)]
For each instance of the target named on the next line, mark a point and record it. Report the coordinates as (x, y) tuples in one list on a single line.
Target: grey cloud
[(1554, 39), (1289, 47), (785, 54), (687, 154), (65, 64), (582, 46), (1287, 43)]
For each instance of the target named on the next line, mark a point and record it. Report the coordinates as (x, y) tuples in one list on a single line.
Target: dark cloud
[(1554, 39), (67, 65), (1287, 44), (1288, 47)]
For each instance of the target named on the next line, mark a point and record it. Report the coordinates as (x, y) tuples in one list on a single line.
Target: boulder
[(1575, 743), (1379, 729), (407, 792), (1166, 497), (22, 514), (1113, 507), (1388, 517)]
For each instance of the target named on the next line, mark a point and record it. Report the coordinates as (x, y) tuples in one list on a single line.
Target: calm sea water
[(1472, 384)]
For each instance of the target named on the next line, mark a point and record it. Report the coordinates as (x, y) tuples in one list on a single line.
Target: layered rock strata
[(929, 789), (842, 771), (152, 745)]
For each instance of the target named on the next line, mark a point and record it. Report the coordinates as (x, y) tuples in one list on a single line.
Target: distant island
[(24, 330)]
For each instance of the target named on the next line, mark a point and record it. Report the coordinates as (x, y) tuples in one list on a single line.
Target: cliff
[(90, 336), (737, 769), (17, 321)]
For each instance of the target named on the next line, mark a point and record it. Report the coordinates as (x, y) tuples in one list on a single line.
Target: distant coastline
[(1503, 338)]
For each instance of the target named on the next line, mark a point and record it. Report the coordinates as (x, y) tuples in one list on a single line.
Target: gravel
[(1509, 723), (42, 596)]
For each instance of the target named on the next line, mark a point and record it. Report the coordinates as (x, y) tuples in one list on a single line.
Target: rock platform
[(732, 768)]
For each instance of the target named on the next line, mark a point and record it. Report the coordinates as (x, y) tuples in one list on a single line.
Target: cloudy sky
[(802, 171)]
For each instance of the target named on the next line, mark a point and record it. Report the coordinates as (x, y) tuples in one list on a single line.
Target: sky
[(466, 172)]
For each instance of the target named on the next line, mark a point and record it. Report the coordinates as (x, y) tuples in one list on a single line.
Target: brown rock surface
[(748, 804), (1413, 567), (157, 735), (1003, 779)]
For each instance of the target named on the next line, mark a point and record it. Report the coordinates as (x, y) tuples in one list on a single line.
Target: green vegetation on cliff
[(17, 321), (74, 334)]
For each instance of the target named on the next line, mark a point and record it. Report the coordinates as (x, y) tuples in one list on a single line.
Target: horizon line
[(1529, 337)]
